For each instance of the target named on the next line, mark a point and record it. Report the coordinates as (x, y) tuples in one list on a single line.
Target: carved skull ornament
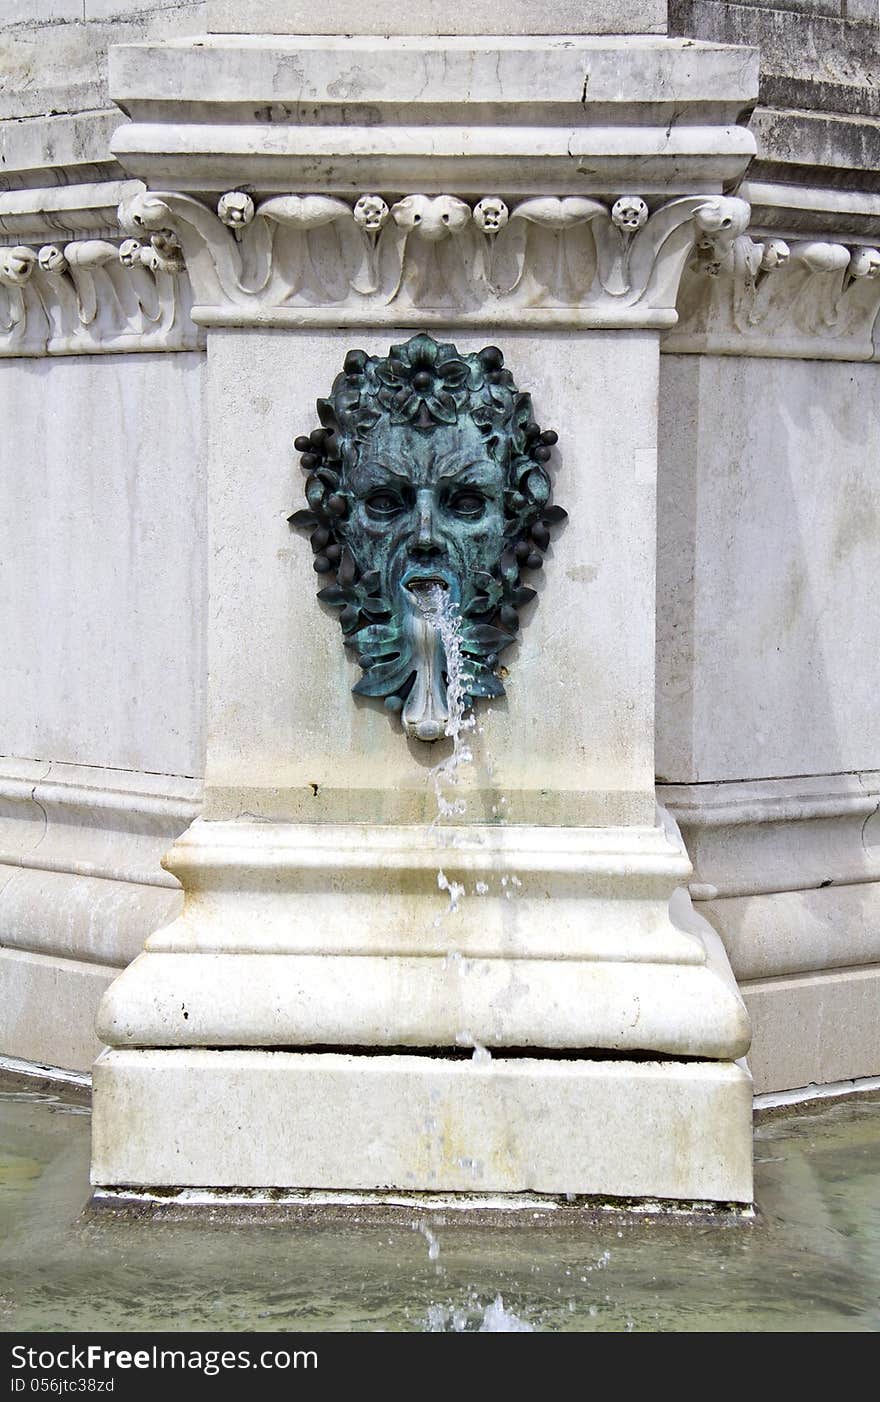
[(491, 214), (865, 262), (130, 253), (17, 264), (164, 254), (370, 212), (235, 208), (629, 213)]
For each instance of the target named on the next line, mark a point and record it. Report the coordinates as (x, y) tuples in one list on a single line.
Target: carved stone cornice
[(807, 299), (57, 214), (94, 296), (522, 114), (423, 260), (813, 212)]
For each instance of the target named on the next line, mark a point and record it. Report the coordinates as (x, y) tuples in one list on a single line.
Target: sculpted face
[(426, 507), (427, 475)]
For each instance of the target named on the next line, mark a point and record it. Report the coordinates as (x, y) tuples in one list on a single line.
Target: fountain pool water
[(809, 1261)]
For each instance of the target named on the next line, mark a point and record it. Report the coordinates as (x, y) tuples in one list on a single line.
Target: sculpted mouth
[(423, 583)]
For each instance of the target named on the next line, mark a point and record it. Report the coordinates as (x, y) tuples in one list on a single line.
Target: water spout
[(441, 689)]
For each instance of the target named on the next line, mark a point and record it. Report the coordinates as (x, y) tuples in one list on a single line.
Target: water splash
[(454, 889), (476, 1318), (430, 1238)]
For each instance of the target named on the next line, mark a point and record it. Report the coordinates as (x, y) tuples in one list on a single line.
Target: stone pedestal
[(330, 1011)]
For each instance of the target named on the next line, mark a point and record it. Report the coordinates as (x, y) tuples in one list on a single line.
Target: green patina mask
[(428, 473)]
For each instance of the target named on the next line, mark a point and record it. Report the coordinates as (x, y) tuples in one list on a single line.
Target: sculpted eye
[(384, 503), (467, 503)]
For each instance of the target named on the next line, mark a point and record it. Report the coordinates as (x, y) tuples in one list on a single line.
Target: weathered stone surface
[(55, 111), (808, 60), (814, 1028), (387, 1000), (489, 115), (813, 212), (768, 555), (51, 151), (837, 9), (845, 149), (647, 1129), (422, 17), (787, 870), (776, 835), (58, 67), (47, 1008), (793, 932), (61, 213), (622, 963), (107, 513), (818, 118), (80, 853)]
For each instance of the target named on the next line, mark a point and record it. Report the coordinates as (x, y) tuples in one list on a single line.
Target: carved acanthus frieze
[(423, 260), (308, 260), (94, 296), (768, 297)]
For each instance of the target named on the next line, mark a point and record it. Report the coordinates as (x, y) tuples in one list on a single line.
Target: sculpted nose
[(425, 541)]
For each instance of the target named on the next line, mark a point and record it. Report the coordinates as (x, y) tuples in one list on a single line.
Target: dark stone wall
[(818, 114)]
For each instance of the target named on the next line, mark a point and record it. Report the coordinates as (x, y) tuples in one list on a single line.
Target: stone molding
[(570, 114), (813, 211), (754, 837), (56, 214), (814, 1028), (805, 299), (76, 841), (787, 870), (589, 942), (94, 296), (48, 1007), (315, 260)]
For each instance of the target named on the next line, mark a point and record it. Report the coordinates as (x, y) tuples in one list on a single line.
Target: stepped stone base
[(244, 1119)]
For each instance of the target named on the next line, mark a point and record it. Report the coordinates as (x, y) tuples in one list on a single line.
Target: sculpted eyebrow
[(381, 470), (479, 470)]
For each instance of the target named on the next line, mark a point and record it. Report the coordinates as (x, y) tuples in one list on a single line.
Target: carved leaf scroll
[(765, 297), (292, 256), (94, 296)]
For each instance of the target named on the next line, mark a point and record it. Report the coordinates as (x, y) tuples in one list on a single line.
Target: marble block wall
[(101, 616), (768, 729)]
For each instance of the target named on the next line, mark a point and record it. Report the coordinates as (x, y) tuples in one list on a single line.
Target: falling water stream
[(439, 608)]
